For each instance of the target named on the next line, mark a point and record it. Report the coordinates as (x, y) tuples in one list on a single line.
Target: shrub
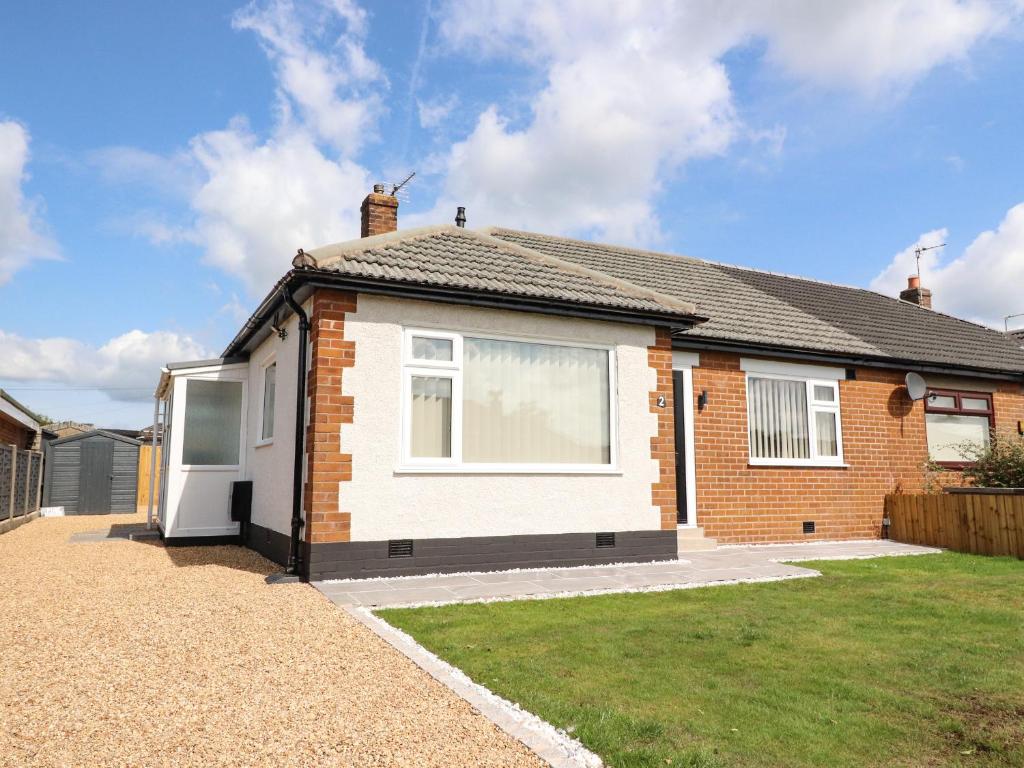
[(1000, 464)]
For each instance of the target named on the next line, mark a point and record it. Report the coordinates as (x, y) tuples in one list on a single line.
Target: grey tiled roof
[(451, 257), (746, 305)]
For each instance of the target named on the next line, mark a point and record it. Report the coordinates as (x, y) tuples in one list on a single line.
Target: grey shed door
[(95, 475)]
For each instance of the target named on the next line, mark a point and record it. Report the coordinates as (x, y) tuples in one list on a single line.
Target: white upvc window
[(484, 403), (793, 418), (269, 373)]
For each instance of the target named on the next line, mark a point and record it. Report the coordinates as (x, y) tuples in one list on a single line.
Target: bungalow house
[(18, 425), (445, 399)]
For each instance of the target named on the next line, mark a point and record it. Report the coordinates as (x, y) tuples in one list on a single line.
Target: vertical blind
[(778, 419), (431, 417), (535, 403)]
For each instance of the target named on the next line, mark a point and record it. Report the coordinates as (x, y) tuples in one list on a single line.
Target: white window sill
[(797, 465), (210, 467), (264, 443), (509, 469)]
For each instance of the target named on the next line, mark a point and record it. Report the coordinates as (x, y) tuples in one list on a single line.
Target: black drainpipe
[(295, 556)]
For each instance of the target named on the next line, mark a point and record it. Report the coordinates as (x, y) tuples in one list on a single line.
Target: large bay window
[(954, 419), (473, 402), (793, 419)]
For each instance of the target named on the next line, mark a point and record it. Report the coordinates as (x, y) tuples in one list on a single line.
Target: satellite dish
[(916, 386)]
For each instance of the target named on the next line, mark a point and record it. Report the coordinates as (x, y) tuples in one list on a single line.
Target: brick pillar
[(663, 445), (327, 467)]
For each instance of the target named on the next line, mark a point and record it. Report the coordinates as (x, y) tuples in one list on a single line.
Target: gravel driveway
[(126, 653)]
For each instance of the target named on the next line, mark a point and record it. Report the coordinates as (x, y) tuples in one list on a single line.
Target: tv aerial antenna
[(398, 190), (921, 249)]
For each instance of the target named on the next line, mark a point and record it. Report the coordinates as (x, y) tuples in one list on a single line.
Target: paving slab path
[(122, 653), (725, 565)]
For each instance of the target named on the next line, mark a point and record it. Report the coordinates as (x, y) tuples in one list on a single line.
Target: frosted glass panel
[(428, 348), (778, 419), (942, 401), (213, 420), (973, 404), (431, 417), (269, 394), (535, 403), (827, 444), (946, 431)]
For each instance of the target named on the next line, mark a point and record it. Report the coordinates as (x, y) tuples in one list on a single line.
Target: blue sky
[(160, 164)]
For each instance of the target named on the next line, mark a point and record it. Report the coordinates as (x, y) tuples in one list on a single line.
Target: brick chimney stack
[(915, 294), (379, 213)]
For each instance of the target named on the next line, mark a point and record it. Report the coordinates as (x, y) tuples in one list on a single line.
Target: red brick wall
[(330, 355), (12, 432), (663, 492), (884, 446)]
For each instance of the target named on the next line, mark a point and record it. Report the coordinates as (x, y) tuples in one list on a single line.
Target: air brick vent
[(400, 548), (606, 539), (808, 526)]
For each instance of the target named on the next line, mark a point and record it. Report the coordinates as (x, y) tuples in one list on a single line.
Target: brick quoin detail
[(663, 445), (327, 466), (885, 448)]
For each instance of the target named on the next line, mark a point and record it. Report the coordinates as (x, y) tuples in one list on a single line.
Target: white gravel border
[(551, 744)]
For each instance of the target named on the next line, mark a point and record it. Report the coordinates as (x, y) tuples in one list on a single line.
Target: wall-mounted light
[(281, 332), (702, 400)]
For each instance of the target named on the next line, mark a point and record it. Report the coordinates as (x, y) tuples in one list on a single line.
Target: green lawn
[(895, 661)]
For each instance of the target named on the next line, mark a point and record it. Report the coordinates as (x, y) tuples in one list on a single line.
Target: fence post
[(39, 482), (14, 480)]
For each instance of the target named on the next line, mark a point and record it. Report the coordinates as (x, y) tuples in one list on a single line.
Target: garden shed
[(93, 473)]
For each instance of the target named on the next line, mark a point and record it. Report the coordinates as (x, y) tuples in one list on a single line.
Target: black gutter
[(295, 555), (471, 297), (683, 342)]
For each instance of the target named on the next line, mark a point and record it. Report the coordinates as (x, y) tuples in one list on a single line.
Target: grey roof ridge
[(341, 250), (663, 255)]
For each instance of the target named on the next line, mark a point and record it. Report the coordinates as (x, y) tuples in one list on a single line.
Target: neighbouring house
[(18, 425), (445, 399), (68, 428), (21, 466)]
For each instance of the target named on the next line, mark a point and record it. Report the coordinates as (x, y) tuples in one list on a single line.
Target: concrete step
[(694, 540)]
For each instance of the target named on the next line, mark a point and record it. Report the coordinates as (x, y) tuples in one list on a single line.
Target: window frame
[(813, 407), (453, 370), (270, 360), (958, 410)]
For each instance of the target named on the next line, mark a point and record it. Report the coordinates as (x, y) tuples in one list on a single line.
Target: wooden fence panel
[(979, 523), (145, 464)]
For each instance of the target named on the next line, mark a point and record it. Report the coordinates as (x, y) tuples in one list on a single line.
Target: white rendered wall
[(269, 463), (387, 504)]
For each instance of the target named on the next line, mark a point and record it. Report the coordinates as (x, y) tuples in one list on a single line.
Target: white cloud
[(635, 89), (23, 237), (261, 201), (981, 284), (325, 77), (127, 366), (254, 200), (873, 45), (434, 112)]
